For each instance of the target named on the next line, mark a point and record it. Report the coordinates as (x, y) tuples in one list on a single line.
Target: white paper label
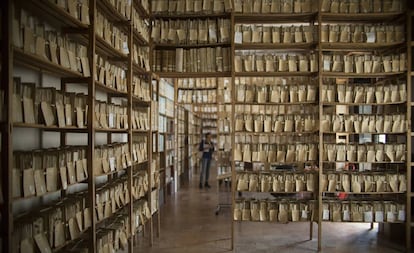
[(32, 189), (112, 163), (226, 129), (284, 82), (226, 97), (111, 120), (327, 65), (390, 217), (304, 214), (212, 33), (238, 37), (379, 216), (125, 47), (368, 216), (75, 156), (370, 37), (346, 217), (135, 155), (401, 215), (325, 214)]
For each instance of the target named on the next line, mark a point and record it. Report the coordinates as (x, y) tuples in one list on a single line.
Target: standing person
[(207, 147)]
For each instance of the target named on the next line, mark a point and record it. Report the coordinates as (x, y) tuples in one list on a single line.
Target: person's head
[(208, 136)]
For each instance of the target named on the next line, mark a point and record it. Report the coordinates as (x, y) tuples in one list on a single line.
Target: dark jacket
[(207, 149)]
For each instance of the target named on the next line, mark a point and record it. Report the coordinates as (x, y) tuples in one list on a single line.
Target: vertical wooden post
[(91, 126), (409, 133), (130, 134), (320, 195), (233, 125), (7, 125)]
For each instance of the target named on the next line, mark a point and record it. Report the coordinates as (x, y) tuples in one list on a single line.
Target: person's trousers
[(205, 170)]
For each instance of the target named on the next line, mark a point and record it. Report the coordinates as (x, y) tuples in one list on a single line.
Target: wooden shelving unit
[(324, 17), (80, 197), (409, 196), (334, 169), (167, 136), (70, 188), (250, 82), (182, 148), (194, 138)]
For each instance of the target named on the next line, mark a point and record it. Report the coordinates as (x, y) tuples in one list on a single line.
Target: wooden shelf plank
[(385, 222), (365, 193), (139, 70), (197, 88), (275, 46), (51, 128), (361, 104), (270, 74), (110, 90), (266, 172), (110, 130), (139, 163), (274, 18), (351, 172), (282, 193), (110, 173), (353, 133), (139, 39), (140, 9), (187, 46), (46, 194), (139, 131), (198, 15), (42, 64), (362, 75), (100, 223), (273, 222), (71, 242), (271, 103), (53, 14), (362, 17), (395, 162), (103, 47), (276, 133), (205, 104), (192, 74), (138, 101), (326, 46), (109, 11), (283, 163)]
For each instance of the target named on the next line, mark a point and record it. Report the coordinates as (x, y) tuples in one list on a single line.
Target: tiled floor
[(189, 224)]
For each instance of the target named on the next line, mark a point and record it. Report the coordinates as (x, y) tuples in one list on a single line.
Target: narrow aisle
[(189, 223)]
